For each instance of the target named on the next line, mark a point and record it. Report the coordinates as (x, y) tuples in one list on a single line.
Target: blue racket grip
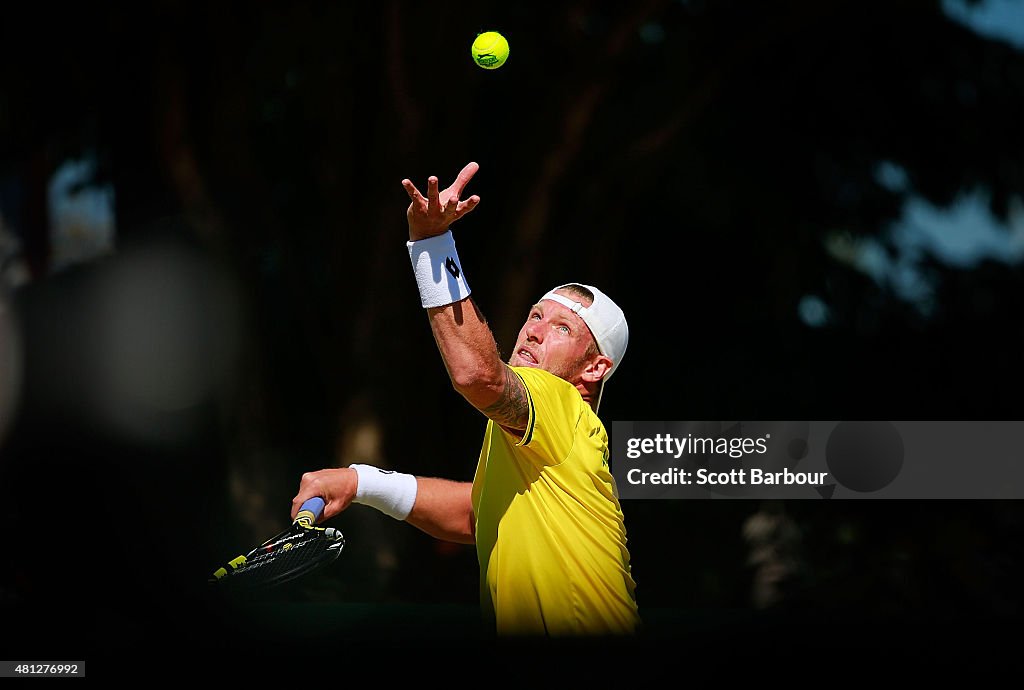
[(310, 511)]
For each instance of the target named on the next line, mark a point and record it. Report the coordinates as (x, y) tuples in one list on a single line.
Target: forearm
[(444, 510), (439, 507), (469, 352), (462, 335)]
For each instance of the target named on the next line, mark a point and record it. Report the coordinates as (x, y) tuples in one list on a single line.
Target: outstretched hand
[(431, 215)]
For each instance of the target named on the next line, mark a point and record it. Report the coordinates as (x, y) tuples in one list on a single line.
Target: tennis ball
[(490, 50)]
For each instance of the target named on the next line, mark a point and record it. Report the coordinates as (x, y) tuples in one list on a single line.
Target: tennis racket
[(291, 554)]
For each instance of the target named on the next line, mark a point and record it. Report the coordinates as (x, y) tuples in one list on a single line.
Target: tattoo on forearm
[(512, 409)]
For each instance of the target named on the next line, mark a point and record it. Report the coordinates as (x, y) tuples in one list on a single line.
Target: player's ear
[(597, 368)]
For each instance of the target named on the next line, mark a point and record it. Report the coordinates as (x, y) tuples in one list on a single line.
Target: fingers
[(465, 175), (310, 485), (463, 178), (411, 190), (442, 206), (433, 200), (466, 206), (336, 486), (297, 502)]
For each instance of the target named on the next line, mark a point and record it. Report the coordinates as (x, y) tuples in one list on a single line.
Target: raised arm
[(463, 337)]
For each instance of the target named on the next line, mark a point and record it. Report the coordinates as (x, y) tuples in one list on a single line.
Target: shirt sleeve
[(555, 410)]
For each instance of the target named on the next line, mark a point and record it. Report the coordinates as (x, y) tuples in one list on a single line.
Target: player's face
[(554, 339)]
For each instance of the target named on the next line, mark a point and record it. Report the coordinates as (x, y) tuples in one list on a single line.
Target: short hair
[(582, 293)]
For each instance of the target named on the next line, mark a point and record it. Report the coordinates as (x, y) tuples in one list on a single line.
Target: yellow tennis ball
[(490, 50)]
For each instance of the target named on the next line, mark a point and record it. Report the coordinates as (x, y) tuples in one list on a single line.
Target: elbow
[(476, 382), (468, 533)]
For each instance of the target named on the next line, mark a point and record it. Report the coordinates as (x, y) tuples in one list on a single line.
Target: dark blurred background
[(807, 210)]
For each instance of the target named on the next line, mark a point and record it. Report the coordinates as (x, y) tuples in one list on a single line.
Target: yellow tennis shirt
[(550, 535)]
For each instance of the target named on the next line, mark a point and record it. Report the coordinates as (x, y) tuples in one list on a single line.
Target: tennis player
[(542, 508)]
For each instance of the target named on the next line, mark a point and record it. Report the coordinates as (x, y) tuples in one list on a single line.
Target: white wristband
[(439, 275), (392, 493)]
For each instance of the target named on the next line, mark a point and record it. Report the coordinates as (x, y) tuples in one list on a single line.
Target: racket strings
[(283, 558)]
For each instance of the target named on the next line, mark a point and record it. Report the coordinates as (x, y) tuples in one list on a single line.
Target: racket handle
[(310, 511)]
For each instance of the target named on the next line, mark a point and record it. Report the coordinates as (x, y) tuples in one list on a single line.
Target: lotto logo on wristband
[(438, 287)]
